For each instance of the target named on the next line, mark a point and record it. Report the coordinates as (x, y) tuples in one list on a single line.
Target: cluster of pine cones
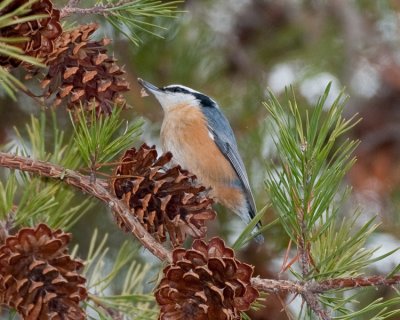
[(38, 277), (80, 72), (204, 282)]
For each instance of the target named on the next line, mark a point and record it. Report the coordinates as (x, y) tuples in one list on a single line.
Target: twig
[(314, 287), (96, 189), (101, 9), (113, 313), (305, 263), (369, 281), (302, 252), (277, 286), (309, 290), (312, 301)]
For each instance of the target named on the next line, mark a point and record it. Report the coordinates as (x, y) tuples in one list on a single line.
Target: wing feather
[(225, 140)]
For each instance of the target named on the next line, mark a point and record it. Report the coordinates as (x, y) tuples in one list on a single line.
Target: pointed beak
[(151, 88)]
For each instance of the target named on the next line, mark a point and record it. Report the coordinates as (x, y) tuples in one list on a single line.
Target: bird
[(201, 140)]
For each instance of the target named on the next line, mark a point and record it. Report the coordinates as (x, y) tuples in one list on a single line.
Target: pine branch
[(312, 301), (369, 281), (100, 9), (106, 9), (317, 287), (331, 257), (104, 299), (301, 203), (309, 290), (127, 16), (73, 178), (310, 298)]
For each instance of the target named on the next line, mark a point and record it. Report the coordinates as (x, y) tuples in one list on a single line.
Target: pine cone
[(81, 72), (37, 276), (41, 33), (164, 200), (205, 282)]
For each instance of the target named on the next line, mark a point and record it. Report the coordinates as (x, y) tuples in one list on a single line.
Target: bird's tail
[(259, 238)]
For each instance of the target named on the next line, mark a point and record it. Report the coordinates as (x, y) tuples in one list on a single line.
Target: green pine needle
[(307, 182), (102, 139), (131, 18), (36, 199), (131, 298), (18, 54), (248, 234), (8, 82), (7, 192), (307, 193), (378, 309), (345, 256)]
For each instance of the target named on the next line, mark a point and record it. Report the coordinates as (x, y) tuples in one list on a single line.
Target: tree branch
[(309, 290), (309, 297), (313, 303), (101, 9), (368, 281), (96, 189), (314, 287)]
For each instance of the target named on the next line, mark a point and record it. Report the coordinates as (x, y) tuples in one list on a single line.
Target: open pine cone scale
[(38, 277), (205, 282), (167, 201)]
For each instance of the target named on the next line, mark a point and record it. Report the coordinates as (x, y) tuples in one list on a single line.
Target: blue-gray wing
[(225, 140)]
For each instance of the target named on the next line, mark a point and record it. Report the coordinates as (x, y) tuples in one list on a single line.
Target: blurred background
[(234, 51)]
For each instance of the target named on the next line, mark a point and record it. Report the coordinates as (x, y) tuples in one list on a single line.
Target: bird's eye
[(177, 89), (174, 89)]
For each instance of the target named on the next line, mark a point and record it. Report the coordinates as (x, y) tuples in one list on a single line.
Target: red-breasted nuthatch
[(201, 140)]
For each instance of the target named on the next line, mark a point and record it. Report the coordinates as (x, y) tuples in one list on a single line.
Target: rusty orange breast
[(185, 133)]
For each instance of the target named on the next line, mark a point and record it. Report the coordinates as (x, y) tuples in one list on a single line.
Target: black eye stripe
[(175, 89), (205, 101)]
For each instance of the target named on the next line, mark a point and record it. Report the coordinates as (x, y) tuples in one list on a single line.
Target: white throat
[(170, 100)]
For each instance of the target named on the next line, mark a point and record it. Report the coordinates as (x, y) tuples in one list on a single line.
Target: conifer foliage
[(158, 202), (80, 73)]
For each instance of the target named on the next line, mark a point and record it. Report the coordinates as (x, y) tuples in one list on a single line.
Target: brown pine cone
[(38, 277), (164, 200), (206, 282), (81, 72), (41, 33)]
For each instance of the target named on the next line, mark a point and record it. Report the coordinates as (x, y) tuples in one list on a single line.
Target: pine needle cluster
[(43, 276)]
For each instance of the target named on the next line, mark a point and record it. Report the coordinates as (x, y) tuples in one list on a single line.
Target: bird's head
[(176, 94)]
